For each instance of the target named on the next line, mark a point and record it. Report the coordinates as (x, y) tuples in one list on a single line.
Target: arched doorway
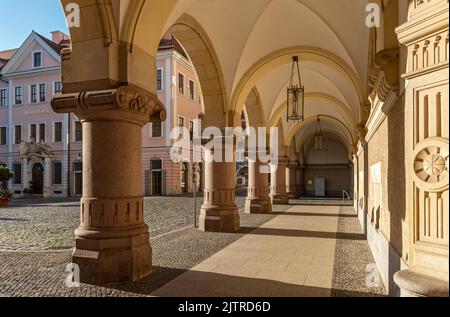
[(38, 179)]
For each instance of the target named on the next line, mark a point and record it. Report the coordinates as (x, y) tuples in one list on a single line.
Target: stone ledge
[(415, 284)]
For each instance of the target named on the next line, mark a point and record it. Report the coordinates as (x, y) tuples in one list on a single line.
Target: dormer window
[(37, 59)]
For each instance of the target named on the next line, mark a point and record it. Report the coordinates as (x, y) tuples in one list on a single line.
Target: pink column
[(258, 200), (112, 241), (278, 192)]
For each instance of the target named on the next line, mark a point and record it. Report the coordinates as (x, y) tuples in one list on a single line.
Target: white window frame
[(73, 131), (190, 80), (53, 86), (37, 94), (45, 92), (32, 59), (29, 130), (162, 79), (184, 84), (14, 133), (6, 137), (150, 132), (38, 131), (54, 134), (6, 97), (14, 95)]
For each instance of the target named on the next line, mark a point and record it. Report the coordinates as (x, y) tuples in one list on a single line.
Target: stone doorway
[(38, 179)]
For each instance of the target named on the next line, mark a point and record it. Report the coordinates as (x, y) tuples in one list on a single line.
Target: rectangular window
[(180, 127), (191, 130), (3, 136), (57, 173), (37, 59), (42, 91), (18, 95), (42, 132), (159, 82), (3, 98), (181, 83), (17, 170), (58, 87), (17, 134), (156, 164), (156, 129), (78, 131), (33, 132), (57, 131), (191, 89), (33, 93)]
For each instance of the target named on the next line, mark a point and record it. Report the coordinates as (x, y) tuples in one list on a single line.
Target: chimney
[(58, 37)]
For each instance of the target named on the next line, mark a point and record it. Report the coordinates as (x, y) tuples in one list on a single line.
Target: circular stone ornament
[(431, 164)]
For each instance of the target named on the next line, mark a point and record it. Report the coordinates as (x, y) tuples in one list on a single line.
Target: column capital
[(127, 103)]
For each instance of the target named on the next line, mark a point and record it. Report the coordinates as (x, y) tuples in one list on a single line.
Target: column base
[(258, 206), (113, 259), (414, 284), (219, 219), (280, 199)]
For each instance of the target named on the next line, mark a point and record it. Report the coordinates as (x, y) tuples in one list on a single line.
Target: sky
[(20, 17)]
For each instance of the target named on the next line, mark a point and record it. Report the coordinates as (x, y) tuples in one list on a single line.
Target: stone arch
[(284, 56), (339, 105), (253, 110), (295, 128), (207, 66)]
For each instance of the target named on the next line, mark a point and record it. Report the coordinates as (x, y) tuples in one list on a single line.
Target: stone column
[(112, 241), (278, 192), (258, 200), (47, 177), (219, 212), (291, 180)]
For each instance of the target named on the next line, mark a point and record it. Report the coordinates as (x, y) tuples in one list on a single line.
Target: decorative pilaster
[(425, 36), (112, 241)]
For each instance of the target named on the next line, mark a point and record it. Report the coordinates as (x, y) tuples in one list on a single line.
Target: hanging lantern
[(318, 138), (295, 94)]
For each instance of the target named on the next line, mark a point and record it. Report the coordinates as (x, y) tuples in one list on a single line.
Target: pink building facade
[(44, 149)]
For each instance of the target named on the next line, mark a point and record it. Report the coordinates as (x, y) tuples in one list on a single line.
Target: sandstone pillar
[(219, 212), (112, 241), (278, 192), (291, 180), (258, 200)]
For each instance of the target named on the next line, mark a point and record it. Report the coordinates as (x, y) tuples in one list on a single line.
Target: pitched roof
[(57, 47), (169, 42)]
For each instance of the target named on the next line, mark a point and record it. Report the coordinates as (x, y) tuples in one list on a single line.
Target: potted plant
[(5, 195)]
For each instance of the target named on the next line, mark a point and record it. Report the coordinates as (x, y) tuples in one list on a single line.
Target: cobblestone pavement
[(352, 256), (36, 225), (43, 273)]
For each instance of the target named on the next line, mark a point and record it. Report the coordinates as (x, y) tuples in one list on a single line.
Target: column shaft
[(258, 200), (278, 192)]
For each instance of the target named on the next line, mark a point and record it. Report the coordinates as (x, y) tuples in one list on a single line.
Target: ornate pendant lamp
[(295, 94), (318, 137)]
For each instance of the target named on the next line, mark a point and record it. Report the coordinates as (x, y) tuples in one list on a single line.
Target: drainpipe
[(69, 192)]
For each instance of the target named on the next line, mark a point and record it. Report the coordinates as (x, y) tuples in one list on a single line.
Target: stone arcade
[(381, 95)]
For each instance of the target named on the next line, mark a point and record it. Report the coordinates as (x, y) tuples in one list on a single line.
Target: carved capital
[(126, 103)]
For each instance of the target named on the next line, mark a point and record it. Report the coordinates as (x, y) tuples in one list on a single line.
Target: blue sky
[(23, 16)]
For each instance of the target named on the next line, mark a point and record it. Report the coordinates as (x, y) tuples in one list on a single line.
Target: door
[(320, 187), (38, 179), (78, 184), (156, 183)]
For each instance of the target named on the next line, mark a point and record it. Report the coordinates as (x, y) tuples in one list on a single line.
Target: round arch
[(284, 56)]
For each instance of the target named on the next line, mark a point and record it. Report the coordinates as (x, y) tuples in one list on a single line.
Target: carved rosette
[(125, 102), (431, 164)]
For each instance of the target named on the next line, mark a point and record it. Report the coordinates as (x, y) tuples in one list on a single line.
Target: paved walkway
[(290, 255)]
